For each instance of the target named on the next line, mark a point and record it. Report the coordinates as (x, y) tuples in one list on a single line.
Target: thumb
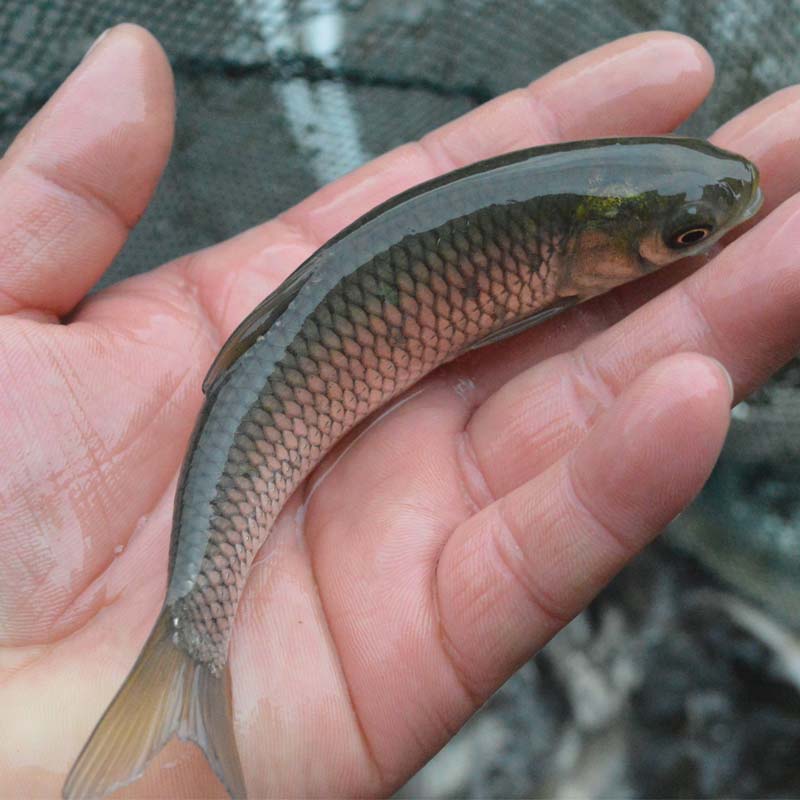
[(81, 173)]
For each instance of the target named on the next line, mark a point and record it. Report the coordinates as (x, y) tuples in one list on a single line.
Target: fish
[(459, 262)]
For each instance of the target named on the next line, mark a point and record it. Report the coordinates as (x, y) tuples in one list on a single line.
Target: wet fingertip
[(103, 39), (688, 375), (133, 38), (692, 64), (686, 60), (647, 458), (700, 57), (678, 50), (644, 84)]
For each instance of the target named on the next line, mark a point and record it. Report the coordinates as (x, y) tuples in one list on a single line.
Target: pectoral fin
[(523, 324)]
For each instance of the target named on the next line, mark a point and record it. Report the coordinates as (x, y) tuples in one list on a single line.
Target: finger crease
[(539, 599), (576, 497), (85, 193), (474, 486), (549, 124), (370, 753), (587, 393), (451, 653), (702, 322), (437, 154)]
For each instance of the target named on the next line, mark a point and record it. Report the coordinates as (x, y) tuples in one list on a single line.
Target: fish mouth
[(753, 207)]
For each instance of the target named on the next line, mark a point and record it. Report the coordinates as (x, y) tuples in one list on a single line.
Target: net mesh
[(279, 97)]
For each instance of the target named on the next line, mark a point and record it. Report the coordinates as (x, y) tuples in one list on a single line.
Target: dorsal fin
[(257, 323)]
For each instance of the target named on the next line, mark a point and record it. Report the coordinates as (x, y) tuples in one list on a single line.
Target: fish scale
[(466, 259), (386, 325)]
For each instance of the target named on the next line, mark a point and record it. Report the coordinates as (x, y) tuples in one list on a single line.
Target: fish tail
[(166, 693)]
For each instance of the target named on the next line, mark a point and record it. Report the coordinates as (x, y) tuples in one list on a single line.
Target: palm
[(400, 588)]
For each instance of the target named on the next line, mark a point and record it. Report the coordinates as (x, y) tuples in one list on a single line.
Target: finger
[(767, 134), (513, 574), (609, 91), (740, 309), (647, 83), (78, 177)]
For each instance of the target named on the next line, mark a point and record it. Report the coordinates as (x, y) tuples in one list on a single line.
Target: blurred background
[(683, 678)]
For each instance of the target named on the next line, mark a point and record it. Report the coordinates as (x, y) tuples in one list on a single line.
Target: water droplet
[(464, 387)]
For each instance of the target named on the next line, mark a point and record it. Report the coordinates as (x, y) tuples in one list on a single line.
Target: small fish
[(459, 262)]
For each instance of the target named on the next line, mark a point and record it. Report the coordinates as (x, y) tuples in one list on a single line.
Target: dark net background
[(683, 678)]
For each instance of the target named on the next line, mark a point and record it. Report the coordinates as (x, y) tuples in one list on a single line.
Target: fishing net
[(651, 691)]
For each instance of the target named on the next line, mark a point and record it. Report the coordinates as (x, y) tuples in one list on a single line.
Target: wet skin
[(535, 469)]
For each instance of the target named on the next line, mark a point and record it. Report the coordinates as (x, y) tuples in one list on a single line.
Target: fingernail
[(724, 371), (96, 42)]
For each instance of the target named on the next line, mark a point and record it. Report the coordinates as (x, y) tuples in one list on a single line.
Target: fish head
[(709, 193), (653, 204)]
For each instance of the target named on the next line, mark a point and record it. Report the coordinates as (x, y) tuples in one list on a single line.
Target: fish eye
[(689, 236)]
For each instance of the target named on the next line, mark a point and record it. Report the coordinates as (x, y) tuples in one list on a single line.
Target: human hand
[(452, 539)]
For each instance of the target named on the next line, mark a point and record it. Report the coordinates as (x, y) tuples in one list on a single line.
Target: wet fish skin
[(467, 258)]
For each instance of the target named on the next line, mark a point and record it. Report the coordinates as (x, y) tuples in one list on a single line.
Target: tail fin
[(167, 692)]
